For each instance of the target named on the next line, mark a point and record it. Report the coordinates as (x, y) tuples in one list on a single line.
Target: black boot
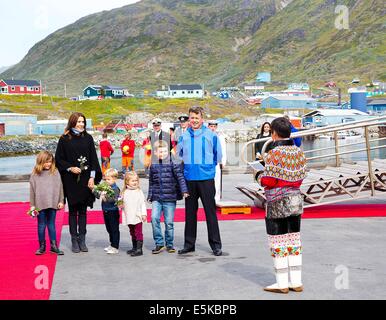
[(138, 250), (75, 245), (55, 249), (82, 243), (133, 248), (42, 249)]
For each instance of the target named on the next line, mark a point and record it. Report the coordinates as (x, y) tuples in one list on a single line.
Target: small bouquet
[(104, 188), (82, 161), (33, 212), (119, 203)]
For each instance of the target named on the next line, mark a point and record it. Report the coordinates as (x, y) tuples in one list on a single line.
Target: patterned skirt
[(283, 202)]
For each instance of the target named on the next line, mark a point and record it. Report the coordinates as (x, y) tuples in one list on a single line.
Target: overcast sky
[(23, 23)]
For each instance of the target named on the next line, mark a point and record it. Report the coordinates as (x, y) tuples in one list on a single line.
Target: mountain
[(214, 42), (2, 69)]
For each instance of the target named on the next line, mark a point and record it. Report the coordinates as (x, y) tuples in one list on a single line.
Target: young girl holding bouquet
[(46, 197), (134, 211)]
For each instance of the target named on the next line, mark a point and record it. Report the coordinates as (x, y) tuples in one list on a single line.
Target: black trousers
[(77, 219), (282, 226), (112, 226), (205, 190)]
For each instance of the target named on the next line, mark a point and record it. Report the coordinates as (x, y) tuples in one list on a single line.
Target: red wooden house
[(20, 87)]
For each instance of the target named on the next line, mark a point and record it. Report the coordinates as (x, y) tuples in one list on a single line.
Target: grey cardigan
[(46, 190)]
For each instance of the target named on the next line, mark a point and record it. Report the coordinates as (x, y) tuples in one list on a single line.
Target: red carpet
[(19, 267), (331, 211)]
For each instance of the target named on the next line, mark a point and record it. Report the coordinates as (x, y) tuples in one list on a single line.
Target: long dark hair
[(72, 121), (262, 128)]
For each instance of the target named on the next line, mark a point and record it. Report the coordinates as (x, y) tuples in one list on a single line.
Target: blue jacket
[(297, 141), (200, 150), (111, 203), (166, 182)]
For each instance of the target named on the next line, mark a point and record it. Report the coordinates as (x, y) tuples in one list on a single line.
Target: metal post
[(41, 91), (368, 150), (337, 160)]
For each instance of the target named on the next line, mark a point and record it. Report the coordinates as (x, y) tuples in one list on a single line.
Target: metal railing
[(361, 124)]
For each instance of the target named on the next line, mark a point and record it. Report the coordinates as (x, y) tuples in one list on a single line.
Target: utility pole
[(41, 91), (65, 90)]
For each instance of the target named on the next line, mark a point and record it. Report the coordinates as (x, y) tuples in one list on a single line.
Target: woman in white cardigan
[(134, 211)]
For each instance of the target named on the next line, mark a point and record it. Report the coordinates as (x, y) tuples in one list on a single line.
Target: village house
[(325, 117), (20, 87), (181, 91), (289, 102), (105, 92)]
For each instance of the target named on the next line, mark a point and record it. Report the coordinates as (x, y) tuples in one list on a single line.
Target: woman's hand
[(144, 219), (75, 170), (91, 184), (185, 195), (60, 206)]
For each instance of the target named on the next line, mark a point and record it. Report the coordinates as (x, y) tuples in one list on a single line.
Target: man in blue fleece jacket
[(200, 150)]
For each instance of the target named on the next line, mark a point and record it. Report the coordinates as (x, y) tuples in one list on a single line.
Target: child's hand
[(32, 208), (60, 206), (185, 195), (144, 218), (149, 200)]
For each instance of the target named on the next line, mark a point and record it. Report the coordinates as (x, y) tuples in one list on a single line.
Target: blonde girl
[(134, 211), (46, 196)]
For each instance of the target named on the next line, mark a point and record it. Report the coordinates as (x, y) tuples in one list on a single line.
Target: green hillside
[(213, 42), (107, 110)]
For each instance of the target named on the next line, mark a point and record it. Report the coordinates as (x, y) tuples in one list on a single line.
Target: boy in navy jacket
[(166, 186)]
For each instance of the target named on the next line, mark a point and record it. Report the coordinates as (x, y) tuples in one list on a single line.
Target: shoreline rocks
[(234, 133)]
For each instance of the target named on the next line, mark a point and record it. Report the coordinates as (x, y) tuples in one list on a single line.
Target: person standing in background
[(106, 151), (128, 149), (213, 125)]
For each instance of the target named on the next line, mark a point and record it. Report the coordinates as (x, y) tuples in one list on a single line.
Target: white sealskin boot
[(295, 272), (281, 273)]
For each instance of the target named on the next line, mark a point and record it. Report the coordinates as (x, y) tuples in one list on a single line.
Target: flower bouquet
[(104, 188), (82, 165), (119, 203), (33, 212)]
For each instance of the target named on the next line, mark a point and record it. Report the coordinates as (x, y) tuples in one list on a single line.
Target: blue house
[(325, 117), (376, 105), (95, 91), (289, 102), (18, 124), (56, 127)]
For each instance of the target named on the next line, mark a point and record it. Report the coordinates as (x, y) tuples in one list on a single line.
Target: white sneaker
[(112, 251), (108, 248)]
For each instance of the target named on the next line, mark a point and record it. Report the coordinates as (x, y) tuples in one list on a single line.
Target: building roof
[(27, 83), (94, 86), (9, 114), (335, 112), (292, 98), (376, 102), (64, 121), (114, 88), (185, 87), (99, 87)]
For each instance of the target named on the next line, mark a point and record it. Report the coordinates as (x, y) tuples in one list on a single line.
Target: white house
[(181, 91)]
